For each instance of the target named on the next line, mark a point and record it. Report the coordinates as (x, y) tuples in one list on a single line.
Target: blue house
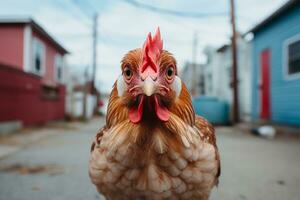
[(276, 66)]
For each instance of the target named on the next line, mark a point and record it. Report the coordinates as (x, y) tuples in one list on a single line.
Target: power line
[(174, 12), (78, 5), (181, 13), (73, 14), (87, 3)]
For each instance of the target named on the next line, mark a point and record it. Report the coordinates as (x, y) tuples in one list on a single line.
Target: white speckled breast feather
[(126, 165)]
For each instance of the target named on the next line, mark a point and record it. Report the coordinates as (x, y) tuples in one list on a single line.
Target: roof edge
[(34, 25), (277, 13)]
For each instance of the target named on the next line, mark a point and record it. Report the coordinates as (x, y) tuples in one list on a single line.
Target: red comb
[(151, 51)]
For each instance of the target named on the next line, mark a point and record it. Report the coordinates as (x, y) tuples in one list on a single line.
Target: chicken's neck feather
[(178, 130)]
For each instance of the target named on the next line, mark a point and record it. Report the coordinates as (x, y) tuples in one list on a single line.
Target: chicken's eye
[(127, 73), (170, 73)]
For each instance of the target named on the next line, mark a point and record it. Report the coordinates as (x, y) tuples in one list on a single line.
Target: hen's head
[(149, 86)]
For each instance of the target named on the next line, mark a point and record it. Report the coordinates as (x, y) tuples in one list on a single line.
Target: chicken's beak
[(149, 86)]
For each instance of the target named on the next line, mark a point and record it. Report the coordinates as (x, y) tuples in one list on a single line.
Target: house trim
[(35, 27), (27, 48), (279, 12), (286, 43)]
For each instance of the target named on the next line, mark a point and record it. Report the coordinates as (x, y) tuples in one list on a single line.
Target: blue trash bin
[(214, 110)]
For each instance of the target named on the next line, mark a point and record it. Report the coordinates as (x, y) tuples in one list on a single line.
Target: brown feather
[(183, 107), (116, 111), (209, 136)]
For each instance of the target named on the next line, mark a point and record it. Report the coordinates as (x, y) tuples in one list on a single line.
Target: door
[(265, 84)]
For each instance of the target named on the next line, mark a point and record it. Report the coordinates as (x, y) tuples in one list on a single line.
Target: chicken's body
[(150, 159)]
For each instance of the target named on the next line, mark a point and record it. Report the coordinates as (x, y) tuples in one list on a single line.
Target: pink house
[(31, 73)]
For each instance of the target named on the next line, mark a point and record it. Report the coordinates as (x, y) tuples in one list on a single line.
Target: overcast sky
[(122, 27)]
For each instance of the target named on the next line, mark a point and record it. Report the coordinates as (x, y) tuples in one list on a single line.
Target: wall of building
[(285, 94), (77, 105), (223, 75), (49, 75), (212, 74), (218, 76), (244, 78), (187, 74), (22, 98), (11, 48)]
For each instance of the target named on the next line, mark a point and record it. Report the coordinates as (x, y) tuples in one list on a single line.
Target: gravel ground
[(55, 166)]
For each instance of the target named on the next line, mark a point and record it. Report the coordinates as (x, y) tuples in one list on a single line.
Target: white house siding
[(187, 77), (245, 78), (218, 75), (78, 98)]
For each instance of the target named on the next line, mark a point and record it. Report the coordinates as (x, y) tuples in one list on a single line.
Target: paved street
[(257, 169), (54, 166)]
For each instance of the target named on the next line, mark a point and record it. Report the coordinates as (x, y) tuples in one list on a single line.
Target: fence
[(24, 97)]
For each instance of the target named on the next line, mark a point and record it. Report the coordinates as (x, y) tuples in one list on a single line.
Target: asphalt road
[(55, 167)]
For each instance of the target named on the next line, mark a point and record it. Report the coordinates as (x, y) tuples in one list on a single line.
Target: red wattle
[(136, 114), (161, 111)]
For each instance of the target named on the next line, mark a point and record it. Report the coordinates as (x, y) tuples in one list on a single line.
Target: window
[(292, 57), (210, 87), (38, 57), (50, 93), (58, 67)]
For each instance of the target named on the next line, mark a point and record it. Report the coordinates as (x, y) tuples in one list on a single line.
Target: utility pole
[(194, 65), (85, 93), (95, 22), (94, 90), (235, 117)]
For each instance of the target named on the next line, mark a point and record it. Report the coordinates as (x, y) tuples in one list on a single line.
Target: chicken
[(153, 146)]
